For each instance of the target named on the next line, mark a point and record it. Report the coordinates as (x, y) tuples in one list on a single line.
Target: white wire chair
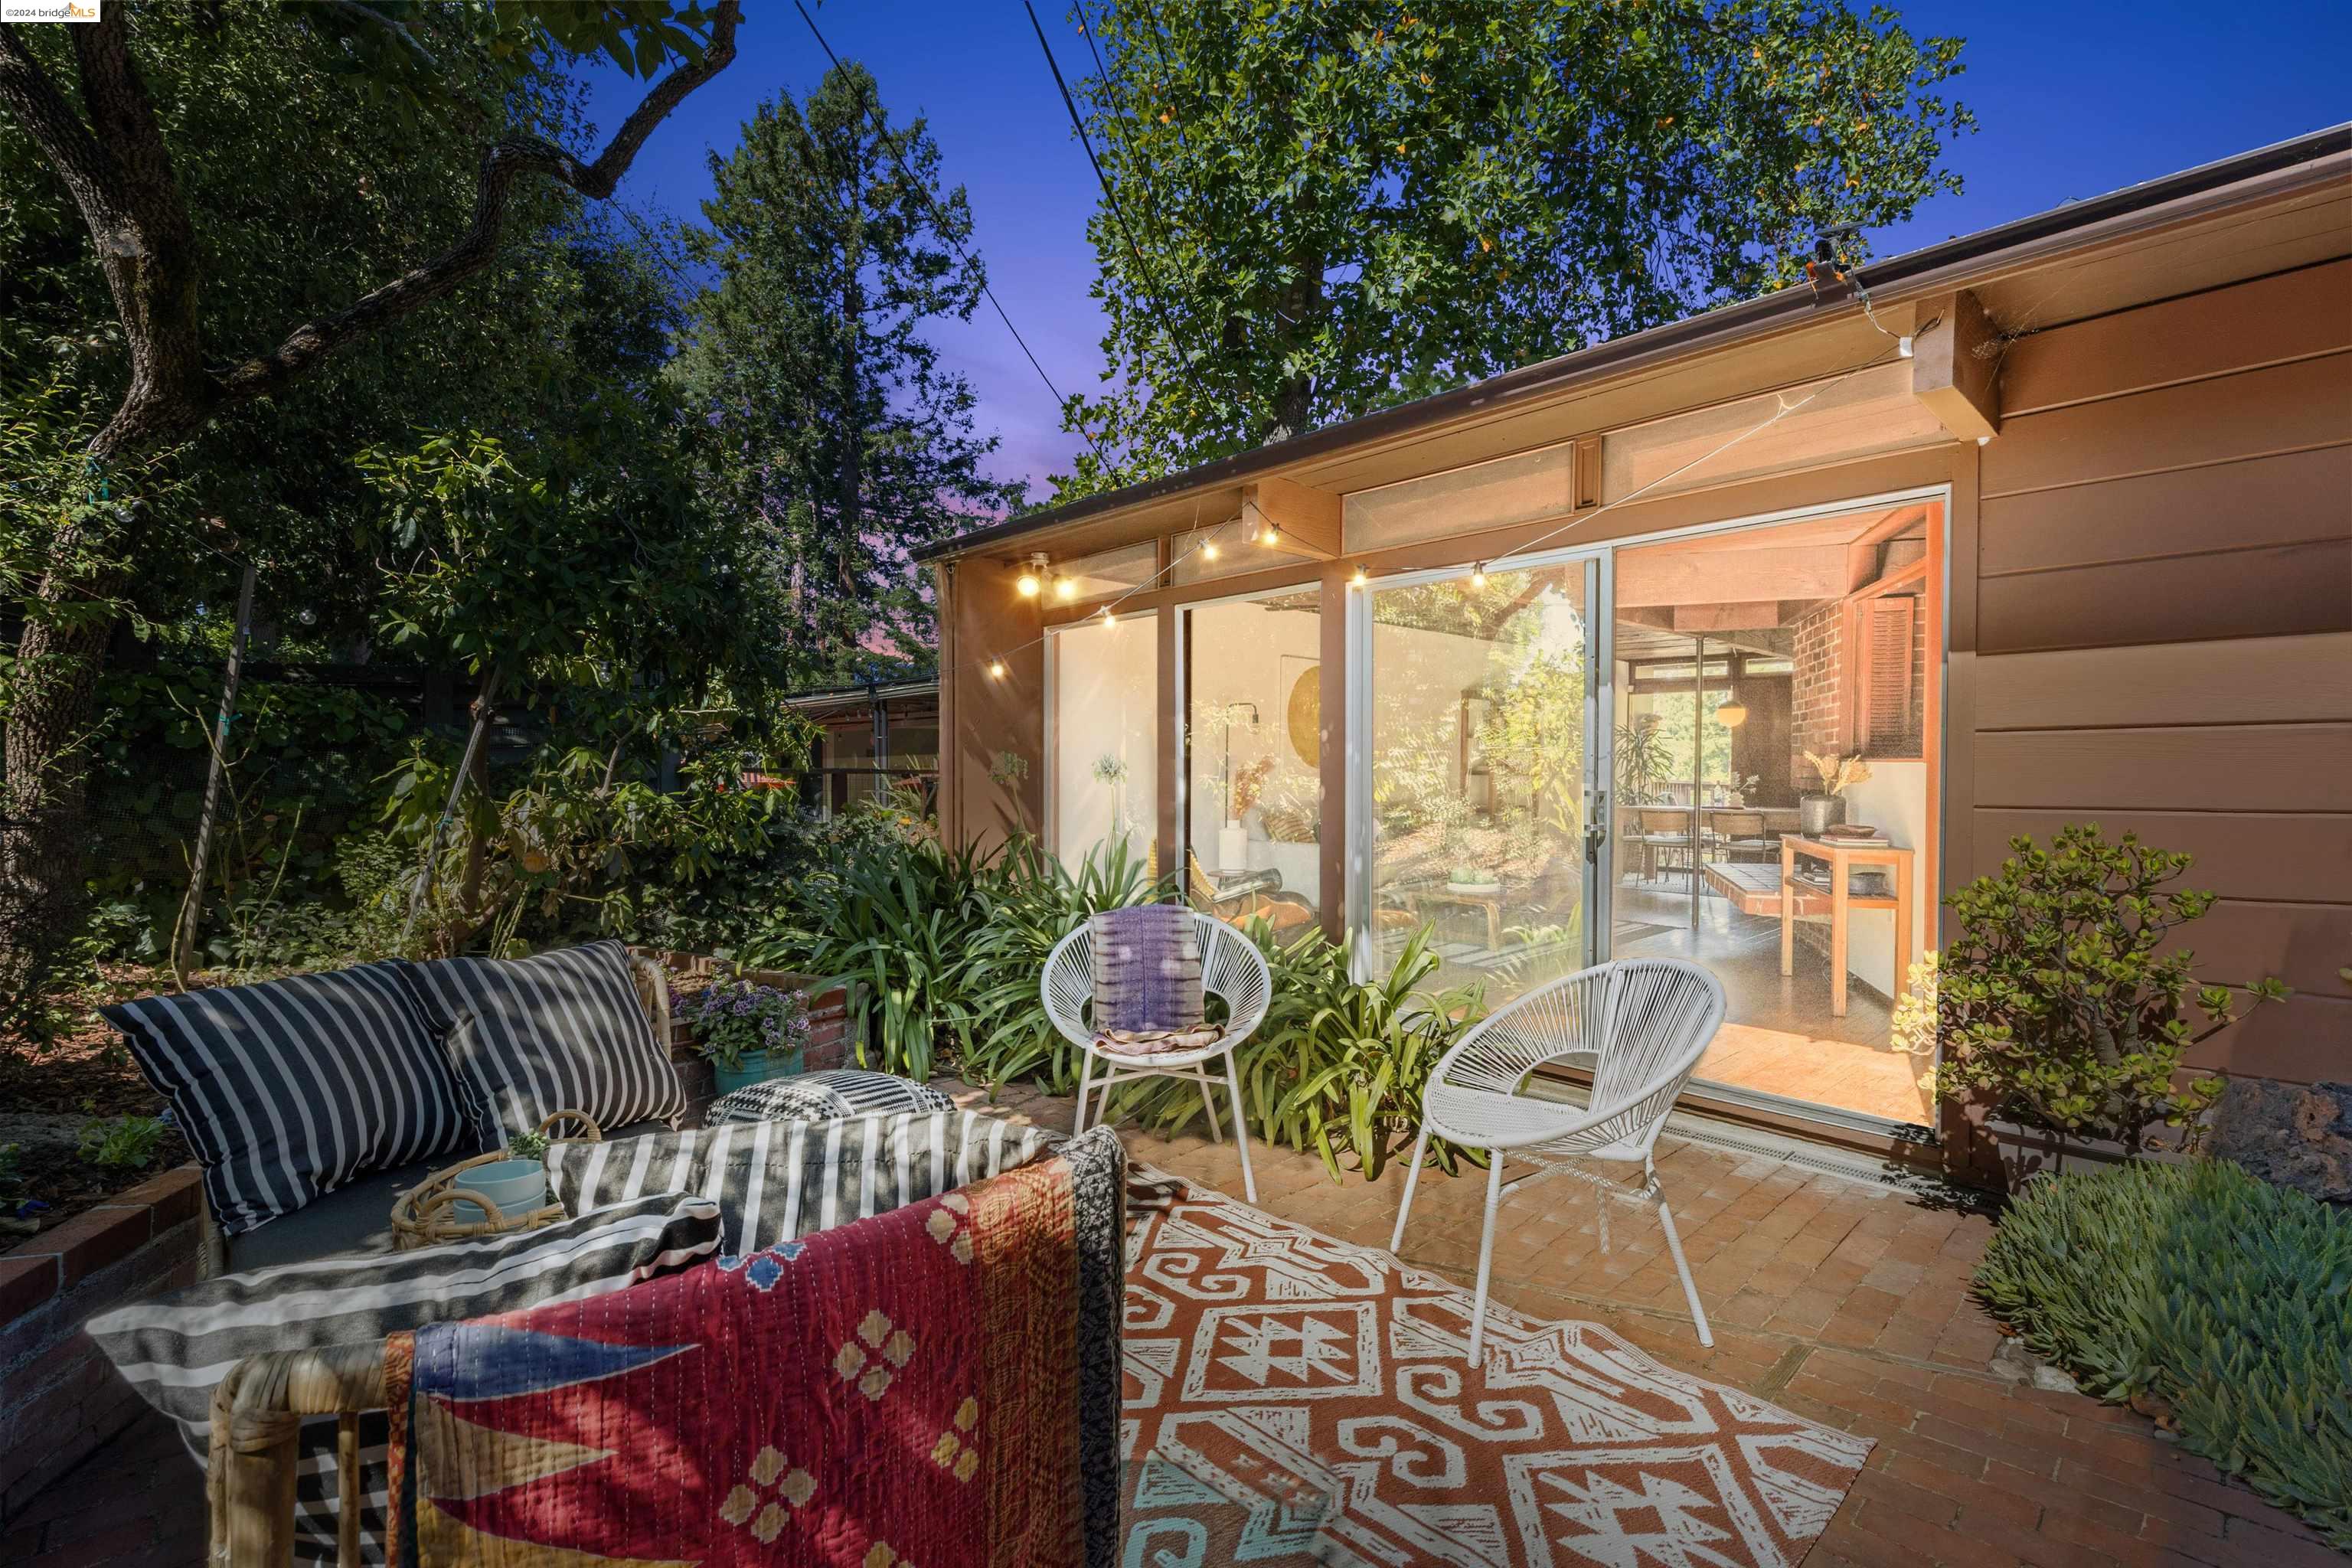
[(1644, 1023), (1231, 968)]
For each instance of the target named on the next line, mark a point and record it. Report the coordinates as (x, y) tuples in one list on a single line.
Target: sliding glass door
[(1476, 755)]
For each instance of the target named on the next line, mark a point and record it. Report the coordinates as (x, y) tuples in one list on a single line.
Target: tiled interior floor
[(1779, 1036), (1843, 1300)]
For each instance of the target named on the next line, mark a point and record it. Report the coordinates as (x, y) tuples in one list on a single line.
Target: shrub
[(893, 926), (125, 1143), (1340, 1063), (2055, 1002), (2199, 1287)]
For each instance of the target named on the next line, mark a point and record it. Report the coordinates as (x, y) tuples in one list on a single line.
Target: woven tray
[(427, 1215)]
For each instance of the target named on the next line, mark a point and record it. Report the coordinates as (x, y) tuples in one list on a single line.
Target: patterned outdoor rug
[(1292, 1399)]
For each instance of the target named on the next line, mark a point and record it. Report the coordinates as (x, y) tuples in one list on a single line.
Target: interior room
[(1252, 819), (1771, 737)]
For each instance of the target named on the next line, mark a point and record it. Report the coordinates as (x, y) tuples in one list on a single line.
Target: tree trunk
[(44, 813), (192, 913)]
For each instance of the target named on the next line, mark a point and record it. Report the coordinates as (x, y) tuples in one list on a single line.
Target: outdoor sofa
[(313, 1101)]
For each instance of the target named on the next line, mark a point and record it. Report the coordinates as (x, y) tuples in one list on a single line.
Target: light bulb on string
[(1478, 575), (1273, 534), (1208, 551), (1358, 580), (1066, 588), (995, 670), (1110, 619)]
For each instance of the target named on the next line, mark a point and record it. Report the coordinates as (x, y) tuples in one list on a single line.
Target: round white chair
[(1642, 1022), (1231, 968)]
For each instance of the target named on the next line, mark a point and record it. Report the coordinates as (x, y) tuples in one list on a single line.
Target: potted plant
[(1640, 758), (517, 1184), (1839, 775), (748, 1032), (2055, 1006)]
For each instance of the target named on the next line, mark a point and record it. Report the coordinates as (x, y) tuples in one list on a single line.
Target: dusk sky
[(2073, 100)]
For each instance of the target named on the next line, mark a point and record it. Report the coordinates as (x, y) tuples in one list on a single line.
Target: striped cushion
[(563, 1031), (775, 1181), (174, 1350), (290, 1089), (820, 1096)]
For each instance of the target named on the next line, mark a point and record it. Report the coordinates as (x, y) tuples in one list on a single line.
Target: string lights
[(1066, 588)]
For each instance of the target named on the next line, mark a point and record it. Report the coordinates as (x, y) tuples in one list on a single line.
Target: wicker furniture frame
[(256, 1423), (651, 982)]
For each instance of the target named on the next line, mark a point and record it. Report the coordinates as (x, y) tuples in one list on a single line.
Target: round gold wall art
[(1304, 716)]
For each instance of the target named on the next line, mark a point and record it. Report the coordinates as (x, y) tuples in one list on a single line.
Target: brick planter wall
[(60, 1398)]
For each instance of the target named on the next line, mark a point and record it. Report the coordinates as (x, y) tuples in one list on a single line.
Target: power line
[(1152, 289), (939, 222)]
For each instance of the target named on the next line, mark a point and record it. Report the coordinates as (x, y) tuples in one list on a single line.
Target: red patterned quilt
[(903, 1390)]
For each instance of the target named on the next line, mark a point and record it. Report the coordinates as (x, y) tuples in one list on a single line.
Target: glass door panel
[(1253, 816), (1479, 733)]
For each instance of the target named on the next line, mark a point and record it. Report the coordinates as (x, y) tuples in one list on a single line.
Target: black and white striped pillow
[(562, 1031), (174, 1350), (289, 1089), (774, 1181), (819, 1096)]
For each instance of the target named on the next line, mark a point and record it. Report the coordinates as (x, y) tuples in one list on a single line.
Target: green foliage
[(2055, 1001), (124, 1143), (527, 1146), (826, 415), (892, 925), (1340, 1063), (303, 762), (1330, 209), (2198, 1286)]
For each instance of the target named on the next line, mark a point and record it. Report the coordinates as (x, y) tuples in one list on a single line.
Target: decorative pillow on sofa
[(176, 1349), (562, 1031), (778, 1181), (290, 1089)]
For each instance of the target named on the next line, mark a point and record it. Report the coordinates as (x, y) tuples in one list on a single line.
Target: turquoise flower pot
[(757, 1067)]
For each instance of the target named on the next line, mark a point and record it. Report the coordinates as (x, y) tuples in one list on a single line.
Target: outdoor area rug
[(1292, 1399)]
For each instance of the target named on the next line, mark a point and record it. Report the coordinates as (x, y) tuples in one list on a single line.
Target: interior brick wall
[(1816, 695)]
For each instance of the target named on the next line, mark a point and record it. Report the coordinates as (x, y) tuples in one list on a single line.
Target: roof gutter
[(1919, 271)]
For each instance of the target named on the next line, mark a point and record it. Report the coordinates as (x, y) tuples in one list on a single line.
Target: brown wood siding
[(981, 716), (2163, 629)]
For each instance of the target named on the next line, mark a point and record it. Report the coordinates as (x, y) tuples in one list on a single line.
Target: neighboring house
[(2062, 534), (871, 737)]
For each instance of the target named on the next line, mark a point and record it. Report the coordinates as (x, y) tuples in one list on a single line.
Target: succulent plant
[(2197, 1290)]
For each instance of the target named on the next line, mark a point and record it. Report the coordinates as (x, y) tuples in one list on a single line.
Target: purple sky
[(2074, 101)]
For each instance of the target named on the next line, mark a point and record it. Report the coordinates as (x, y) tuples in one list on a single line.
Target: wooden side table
[(1841, 859)]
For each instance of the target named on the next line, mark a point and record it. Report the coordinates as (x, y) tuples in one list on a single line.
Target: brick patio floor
[(1842, 1301)]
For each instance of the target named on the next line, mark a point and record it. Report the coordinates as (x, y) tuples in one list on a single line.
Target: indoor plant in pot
[(748, 1032)]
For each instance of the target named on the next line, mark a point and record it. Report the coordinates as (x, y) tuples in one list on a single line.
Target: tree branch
[(505, 162)]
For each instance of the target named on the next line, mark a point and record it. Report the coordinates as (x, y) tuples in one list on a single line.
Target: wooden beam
[(1724, 617), (1953, 366), (1309, 519), (1735, 576)]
